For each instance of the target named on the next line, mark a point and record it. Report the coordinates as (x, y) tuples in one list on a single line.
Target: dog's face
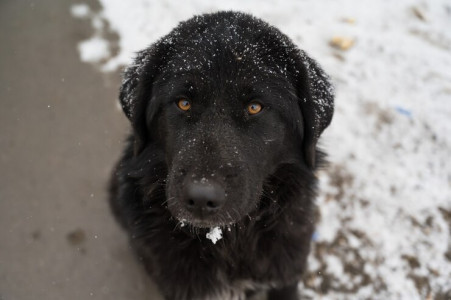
[(223, 134), (222, 103)]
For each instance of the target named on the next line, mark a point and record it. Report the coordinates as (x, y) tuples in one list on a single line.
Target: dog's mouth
[(217, 220), (226, 216)]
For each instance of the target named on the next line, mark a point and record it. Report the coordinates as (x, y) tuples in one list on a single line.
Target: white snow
[(385, 199), (80, 10), (94, 50), (334, 265), (215, 234)]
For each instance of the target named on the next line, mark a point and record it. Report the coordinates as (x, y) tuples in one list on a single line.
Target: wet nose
[(204, 199)]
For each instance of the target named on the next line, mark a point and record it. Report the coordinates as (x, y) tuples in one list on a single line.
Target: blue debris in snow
[(403, 111), (315, 236)]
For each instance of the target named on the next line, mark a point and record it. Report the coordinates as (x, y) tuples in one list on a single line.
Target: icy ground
[(385, 203)]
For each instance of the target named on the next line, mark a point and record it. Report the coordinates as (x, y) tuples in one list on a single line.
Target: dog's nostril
[(190, 202), (211, 204)]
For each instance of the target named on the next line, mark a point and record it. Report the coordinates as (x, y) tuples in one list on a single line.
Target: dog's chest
[(253, 285), (237, 289)]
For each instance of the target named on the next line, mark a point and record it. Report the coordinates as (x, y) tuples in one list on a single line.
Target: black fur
[(264, 164)]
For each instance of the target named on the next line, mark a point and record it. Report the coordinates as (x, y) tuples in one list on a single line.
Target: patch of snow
[(80, 10), (94, 50), (215, 234), (334, 265)]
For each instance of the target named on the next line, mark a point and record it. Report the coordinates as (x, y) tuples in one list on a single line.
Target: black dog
[(226, 115)]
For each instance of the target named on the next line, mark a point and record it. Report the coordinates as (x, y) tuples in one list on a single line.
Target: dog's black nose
[(204, 198)]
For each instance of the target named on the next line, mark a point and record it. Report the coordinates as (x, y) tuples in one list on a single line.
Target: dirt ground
[(60, 134)]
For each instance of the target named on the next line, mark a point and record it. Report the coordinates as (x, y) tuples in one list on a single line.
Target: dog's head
[(228, 99)]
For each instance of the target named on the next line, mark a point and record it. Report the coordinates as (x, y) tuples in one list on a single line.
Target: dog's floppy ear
[(316, 99), (136, 90)]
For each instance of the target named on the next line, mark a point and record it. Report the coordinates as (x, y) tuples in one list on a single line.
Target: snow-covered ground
[(385, 202)]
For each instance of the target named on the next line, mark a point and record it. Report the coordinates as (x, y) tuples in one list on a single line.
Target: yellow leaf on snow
[(342, 43)]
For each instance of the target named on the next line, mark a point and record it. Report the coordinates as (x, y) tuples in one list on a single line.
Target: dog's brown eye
[(184, 104), (254, 108)]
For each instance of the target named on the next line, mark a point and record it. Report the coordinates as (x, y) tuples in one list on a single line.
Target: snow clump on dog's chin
[(215, 234)]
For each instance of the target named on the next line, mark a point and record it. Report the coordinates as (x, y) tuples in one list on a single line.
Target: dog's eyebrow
[(189, 79), (169, 86), (182, 67), (192, 75)]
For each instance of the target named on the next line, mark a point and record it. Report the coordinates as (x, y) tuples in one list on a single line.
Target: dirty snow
[(385, 200), (215, 234)]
